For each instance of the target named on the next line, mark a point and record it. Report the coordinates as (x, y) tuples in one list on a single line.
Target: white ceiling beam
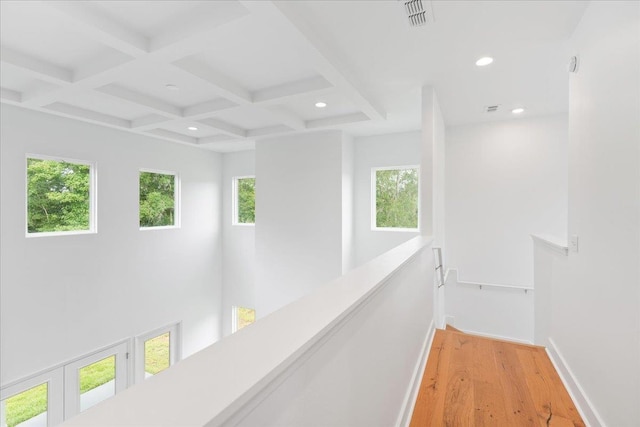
[(287, 118), (101, 28), (216, 138), (10, 95), (93, 116), (221, 83), (324, 60), (224, 127), (172, 136), (39, 69), (268, 131), (179, 40), (206, 108), (337, 120), (148, 122), (285, 92), (140, 99)]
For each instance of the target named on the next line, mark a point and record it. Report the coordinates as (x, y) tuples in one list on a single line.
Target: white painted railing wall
[(347, 354)]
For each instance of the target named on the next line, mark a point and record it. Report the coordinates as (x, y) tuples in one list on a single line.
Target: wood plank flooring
[(475, 381)]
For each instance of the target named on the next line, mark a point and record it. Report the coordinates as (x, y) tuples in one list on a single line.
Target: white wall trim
[(525, 288), (556, 244), (497, 337), (577, 393), (409, 402)]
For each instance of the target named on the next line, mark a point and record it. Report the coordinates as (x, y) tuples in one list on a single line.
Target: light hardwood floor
[(475, 381)]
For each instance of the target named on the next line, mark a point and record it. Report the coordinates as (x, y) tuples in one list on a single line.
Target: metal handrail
[(437, 252)]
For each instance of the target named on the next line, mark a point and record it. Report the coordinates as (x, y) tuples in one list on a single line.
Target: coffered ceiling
[(242, 70)]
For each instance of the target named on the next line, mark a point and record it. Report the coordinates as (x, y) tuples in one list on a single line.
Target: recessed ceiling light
[(321, 104), (517, 110), (484, 61), (192, 128), (171, 87)]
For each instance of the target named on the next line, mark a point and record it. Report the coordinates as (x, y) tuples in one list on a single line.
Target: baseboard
[(582, 402), (406, 410), (498, 337)]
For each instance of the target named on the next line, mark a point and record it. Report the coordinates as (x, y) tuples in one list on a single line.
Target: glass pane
[(246, 316), (57, 196), (97, 382), (157, 199), (397, 198), (28, 408), (246, 200), (157, 354)]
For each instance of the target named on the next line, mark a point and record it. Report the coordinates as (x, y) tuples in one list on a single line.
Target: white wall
[(595, 293), (62, 297), (399, 149), (308, 364), (238, 242), (299, 216), (504, 181), (362, 372), (348, 184)]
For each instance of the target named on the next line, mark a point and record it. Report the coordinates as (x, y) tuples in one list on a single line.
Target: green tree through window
[(246, 195), (57, 196), (157, 199), (396, 198)]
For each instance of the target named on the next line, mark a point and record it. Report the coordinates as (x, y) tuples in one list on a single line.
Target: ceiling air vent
[(491, 108), (418, 12)]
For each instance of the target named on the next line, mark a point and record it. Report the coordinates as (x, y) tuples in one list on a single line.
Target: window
[(60, 196), (156, 351), (159, 198), (241, 317), (94, 378), (244, 203), (35, 402), (395, 198)]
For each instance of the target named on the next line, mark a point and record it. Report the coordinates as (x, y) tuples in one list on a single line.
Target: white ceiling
[(250, 69)]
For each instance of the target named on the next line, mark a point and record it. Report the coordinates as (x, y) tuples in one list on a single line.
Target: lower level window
[(242, 317), (157, 351), (29, 407)]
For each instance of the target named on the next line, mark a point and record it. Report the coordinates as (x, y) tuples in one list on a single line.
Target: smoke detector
[(419, 12)]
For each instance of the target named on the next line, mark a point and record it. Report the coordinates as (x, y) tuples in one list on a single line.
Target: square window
[(60, 196), (159, 199), (244, 203), (156, 351), (29, 407), (395, 198), (242, 317)]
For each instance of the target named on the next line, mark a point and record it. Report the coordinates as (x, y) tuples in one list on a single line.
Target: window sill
[(161, 227), (59, 233), (401, 230), (245, 224)]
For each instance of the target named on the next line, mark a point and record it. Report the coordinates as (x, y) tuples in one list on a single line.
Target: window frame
[(55, 386), (175, 345), (372, 194), (234, 201), (234, 317), (72, 374), (93, 196), (177, 208)]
